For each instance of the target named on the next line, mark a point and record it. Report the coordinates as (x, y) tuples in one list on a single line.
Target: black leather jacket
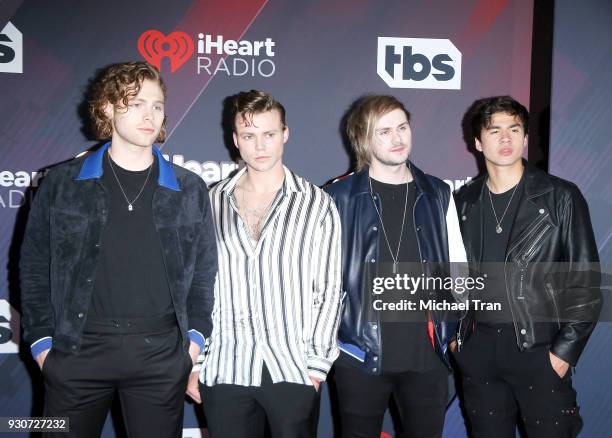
[(60, 250), (359, 334), (551, 263)]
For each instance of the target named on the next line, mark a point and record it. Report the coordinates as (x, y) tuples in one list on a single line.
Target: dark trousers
[(240, 411), (149, 372), (500, 382), (363, 399)]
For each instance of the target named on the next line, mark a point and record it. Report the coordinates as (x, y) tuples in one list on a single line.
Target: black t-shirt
[(405, 345), (131, 279), (494, 252)]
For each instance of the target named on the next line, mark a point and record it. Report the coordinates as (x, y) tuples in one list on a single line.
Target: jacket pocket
[(64, 223), (533, 244)]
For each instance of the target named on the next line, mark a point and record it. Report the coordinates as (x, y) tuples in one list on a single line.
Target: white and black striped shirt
[(277, 300)]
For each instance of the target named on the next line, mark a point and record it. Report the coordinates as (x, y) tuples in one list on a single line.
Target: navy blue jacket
[(60, 250), (359, 334)]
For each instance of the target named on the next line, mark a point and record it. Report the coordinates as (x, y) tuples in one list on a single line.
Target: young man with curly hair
[(117, 268)]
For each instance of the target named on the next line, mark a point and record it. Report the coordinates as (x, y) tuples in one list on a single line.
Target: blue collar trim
[(92, 168)]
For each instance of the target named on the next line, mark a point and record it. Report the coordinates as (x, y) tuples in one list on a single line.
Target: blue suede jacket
[(61, 245)]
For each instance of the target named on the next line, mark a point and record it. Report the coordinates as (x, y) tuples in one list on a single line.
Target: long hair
[(361, 122)]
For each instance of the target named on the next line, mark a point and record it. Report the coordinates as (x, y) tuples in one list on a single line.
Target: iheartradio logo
[(154, 46), (216, 54)]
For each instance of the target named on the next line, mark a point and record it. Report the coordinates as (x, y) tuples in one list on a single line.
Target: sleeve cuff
[(197, 337), (318, 367), (41, 345)]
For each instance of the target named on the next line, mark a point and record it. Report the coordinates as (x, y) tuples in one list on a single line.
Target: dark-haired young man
[(396, 221), (117, 268), (277, 297), (529, 234)]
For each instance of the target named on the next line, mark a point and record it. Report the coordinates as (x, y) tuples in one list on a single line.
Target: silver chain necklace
[(130, 203), (498, 228), (399, 243)]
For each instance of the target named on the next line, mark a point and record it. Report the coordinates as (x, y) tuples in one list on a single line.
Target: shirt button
[(97, 245), (80, 315), (525, 344), (541, 211), (418, 228), (374, 327), (464, 217), (375, 228), (374, 369), (375, 358), (424, 261), (373, 261), (523, 332), (89, 280)]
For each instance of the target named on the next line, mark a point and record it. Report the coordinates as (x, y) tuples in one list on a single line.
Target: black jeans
[(500, 382), (363, 399), (149, 371), (240, 411)]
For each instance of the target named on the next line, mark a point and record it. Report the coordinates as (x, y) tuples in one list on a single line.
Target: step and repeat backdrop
[(314, 56), (581, 151)]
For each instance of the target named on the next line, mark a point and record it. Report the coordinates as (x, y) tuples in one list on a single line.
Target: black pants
[(363, 398), (149, 371), (499, 382), (240, 411)]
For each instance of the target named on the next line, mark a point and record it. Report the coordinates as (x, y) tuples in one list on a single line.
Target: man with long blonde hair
[(397, 221)]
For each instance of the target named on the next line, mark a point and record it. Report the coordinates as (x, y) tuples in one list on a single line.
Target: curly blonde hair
[(118, 84)]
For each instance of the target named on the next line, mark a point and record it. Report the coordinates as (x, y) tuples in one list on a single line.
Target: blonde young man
[(277, 296), (396, 221)]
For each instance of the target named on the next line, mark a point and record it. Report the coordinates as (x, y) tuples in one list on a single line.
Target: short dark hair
[(483, 110), (252, 102), (118, 84)]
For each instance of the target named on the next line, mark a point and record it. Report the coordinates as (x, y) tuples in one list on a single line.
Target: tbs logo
[(11, 56), (419, 63)]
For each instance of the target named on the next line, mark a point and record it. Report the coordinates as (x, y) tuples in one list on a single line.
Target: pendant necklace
[(130, 203), (498, 228), (399, 243)]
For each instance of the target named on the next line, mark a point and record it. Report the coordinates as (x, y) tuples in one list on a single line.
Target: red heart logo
[(154, 46)]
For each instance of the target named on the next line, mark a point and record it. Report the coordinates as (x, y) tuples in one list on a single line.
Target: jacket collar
[(362, 183), (291, 183), (92, 168), (535, 182)]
